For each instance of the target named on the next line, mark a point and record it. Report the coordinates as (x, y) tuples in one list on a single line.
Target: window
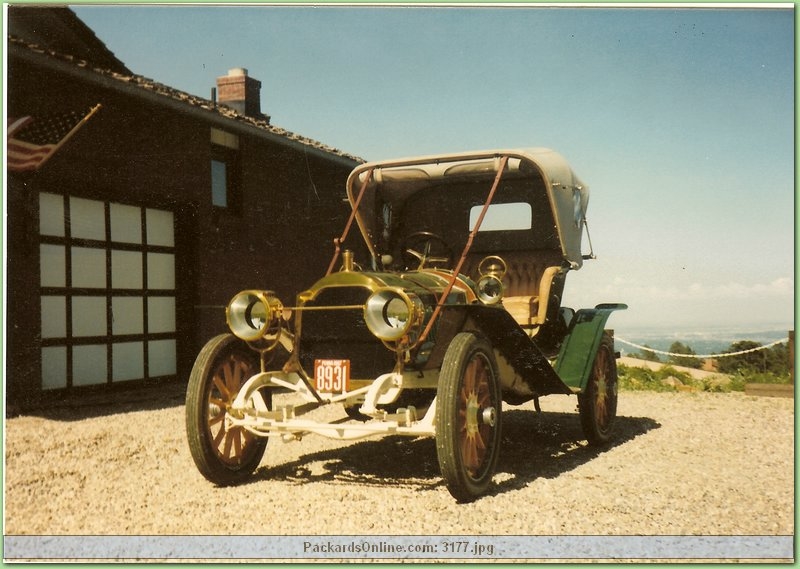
[(219, 183), (224, 169), (224, 179), (502, 217)]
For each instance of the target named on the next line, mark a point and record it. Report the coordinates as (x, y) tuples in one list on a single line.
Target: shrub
[(771, 361), (647, 354), (642, 379), (759, 377), (686, 361)]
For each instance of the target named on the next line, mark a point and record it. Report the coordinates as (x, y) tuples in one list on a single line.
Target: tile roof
[(149, 85), (60, 29)]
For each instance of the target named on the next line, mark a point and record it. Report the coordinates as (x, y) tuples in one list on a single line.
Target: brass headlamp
[(255, 316), (391, 313), (492, 269)]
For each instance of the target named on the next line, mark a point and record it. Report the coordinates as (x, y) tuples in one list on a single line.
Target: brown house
[(127, 243)]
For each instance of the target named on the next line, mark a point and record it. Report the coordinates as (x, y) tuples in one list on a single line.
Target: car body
[(453, 310)]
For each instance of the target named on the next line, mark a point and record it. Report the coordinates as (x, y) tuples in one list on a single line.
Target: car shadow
[(90, 404), (548, 445), (534, 446)]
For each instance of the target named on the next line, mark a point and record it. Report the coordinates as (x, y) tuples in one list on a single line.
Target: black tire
[(597, 405), (223, 456), (468, 417)]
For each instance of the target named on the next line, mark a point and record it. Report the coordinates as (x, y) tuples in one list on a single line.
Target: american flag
[(33, 140)]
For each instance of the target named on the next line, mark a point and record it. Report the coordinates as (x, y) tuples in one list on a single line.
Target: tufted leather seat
[(530, 310)]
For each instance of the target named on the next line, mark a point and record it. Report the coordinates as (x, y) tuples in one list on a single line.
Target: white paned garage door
[(107, 277)]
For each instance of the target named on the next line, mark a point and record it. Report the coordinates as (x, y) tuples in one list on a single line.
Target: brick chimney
[(240, 92)]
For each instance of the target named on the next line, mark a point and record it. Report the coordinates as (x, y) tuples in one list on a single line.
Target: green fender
[(577, 352)]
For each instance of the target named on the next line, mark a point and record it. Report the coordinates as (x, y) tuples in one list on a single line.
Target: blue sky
[(681, 121)]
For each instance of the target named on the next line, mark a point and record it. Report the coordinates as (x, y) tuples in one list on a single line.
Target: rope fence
[(701, 356)]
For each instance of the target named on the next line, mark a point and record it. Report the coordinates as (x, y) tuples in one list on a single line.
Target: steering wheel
[(425, 248)]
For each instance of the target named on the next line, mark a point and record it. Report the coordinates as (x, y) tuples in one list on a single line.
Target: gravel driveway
[(683, 463)]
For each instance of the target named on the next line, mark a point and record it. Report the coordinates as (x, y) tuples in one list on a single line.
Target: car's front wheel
[(223, 455), (468, 417)]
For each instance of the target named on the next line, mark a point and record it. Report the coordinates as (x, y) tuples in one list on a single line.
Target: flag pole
[(61, 143)]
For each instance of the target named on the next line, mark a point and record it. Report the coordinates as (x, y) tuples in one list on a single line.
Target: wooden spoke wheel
[(223, 455), (468, 420), (597, 405)]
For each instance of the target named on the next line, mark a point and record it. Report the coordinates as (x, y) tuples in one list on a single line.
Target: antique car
[(453, 308)]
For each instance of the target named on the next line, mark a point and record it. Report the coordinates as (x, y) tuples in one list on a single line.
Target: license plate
[(332, 376)]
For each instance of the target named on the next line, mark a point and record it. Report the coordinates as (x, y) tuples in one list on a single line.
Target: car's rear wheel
[(223, 455), (597, 405), (468, 417)]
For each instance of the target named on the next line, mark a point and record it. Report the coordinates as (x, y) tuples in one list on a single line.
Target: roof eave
[(206, 110)]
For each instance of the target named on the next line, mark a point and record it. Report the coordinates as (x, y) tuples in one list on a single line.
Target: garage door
[(107, 276)]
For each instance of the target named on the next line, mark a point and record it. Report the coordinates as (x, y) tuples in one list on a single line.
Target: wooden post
[(791, 355)]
